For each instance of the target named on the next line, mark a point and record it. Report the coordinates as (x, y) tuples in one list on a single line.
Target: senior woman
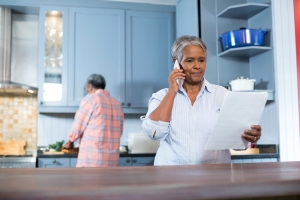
[(183, 117)]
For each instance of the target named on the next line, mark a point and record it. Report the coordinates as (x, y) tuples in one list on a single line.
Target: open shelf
[(243, 11), (270, 93), (245, 52)]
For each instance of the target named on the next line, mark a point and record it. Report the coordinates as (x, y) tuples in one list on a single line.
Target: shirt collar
[(101, 91), (206, 85)]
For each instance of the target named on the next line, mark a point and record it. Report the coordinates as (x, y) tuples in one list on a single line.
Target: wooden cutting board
[(12, 147)]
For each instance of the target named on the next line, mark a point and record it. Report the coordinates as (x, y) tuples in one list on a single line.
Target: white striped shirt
[(182, 140)]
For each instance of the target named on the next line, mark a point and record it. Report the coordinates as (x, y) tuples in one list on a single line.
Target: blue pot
[(243, 37)]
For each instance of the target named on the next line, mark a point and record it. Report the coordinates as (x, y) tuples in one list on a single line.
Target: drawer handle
[(129, 104), (134, 160), (54, 161), (127, 160)]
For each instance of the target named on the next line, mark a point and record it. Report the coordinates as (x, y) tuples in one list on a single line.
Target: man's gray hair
[(97, 81), (184, 41)]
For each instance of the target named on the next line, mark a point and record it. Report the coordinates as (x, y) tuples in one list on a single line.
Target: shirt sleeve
[(81, 120), (160, 128)]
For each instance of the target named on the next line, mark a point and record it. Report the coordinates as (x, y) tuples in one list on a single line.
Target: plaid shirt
[(99, 125)]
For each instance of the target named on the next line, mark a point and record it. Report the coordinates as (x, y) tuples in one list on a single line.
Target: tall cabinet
[(53, 62)]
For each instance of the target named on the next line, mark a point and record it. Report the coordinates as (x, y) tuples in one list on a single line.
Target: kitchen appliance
[(243, 37), (242, 84), (6, 85), (141, 143), (25, 161)]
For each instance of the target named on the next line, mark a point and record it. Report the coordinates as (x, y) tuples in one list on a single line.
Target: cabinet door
[(187, 19), (124, 161), (52, 66), (97, 46), (149, 37), (142, 161), (53, 162), (73, 162)]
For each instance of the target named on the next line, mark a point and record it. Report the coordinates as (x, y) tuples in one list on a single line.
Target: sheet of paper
[(239, 111)]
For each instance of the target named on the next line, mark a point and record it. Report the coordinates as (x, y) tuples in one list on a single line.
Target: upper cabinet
[(97, 46), (149, 38), (53, 63), (135, 60), (129, 44), (187, 18)]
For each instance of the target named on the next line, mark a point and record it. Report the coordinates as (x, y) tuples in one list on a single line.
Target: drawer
[(53, 162)]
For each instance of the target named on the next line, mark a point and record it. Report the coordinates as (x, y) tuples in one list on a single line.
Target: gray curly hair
[(184, 41)]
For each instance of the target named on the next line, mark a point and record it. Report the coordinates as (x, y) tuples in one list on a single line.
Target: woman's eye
[(189, 61), (202, 60)]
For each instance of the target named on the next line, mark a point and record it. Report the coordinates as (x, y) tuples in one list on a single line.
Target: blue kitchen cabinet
[(142, 161), (97, 45), (136, 161), (73, 162), (132, 72), (52, 59), (187, 18), (128, 43), (53, 162), (124, 161), (149, 37)]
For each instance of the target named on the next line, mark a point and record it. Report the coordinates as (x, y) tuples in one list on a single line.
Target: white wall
[(286, 79), (55, 127)]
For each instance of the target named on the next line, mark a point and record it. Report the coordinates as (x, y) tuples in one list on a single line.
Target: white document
[(239, 111)]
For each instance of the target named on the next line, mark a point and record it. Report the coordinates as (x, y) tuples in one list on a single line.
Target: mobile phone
[(179, 81)]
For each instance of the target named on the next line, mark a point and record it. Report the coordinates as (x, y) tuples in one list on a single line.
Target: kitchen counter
[(74, 155), (212, 181)]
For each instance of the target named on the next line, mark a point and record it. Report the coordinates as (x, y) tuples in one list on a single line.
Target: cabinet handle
[(128, 104), (122, 104), (134, 160), (54, 161), (127, 160), (41, 103)]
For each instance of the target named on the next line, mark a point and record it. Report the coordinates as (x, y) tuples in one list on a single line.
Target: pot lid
[(242, 79)]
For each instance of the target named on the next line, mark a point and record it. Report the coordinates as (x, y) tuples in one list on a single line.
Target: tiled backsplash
[(18, 119)]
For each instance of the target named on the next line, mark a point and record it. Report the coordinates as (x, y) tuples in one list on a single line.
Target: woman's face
[(193, 63)]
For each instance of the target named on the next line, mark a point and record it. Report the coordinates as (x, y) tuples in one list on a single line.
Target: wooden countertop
[(217, 181)]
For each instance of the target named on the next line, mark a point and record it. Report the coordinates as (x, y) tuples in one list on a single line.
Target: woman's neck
[(192, 89)]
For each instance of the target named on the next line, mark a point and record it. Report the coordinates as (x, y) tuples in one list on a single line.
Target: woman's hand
[(252, 135), (174, 75)]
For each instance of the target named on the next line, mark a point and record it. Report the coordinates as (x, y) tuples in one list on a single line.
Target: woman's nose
[(197, 65)]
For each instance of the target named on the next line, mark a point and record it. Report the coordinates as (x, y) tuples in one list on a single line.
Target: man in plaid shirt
[(99, 125)]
